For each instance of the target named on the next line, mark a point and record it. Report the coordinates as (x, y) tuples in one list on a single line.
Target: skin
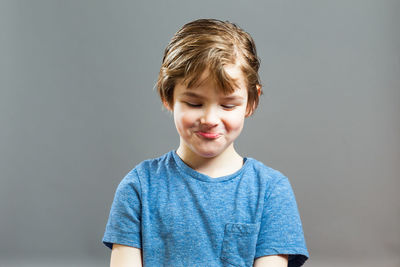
[(208, 122), (124, 256), (204, 110), (272, 261)]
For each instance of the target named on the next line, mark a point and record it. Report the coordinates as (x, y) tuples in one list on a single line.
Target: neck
[(228, 162)]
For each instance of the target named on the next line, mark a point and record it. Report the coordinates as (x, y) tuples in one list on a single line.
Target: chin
[(208, 153)]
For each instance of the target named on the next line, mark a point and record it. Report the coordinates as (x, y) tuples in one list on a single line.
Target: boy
[(204, 204)]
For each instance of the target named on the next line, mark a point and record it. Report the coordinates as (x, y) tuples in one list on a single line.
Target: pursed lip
[(208, 135)]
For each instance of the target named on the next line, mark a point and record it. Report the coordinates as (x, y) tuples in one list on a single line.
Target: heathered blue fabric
[(180, 217)]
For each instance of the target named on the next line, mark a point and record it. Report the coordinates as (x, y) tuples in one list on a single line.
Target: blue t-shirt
[(180, 217)]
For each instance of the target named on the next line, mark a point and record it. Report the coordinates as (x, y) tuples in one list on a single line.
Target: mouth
[(209, 135)]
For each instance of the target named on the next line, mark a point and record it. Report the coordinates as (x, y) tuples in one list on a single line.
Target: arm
[(272, 261), (123, 256)]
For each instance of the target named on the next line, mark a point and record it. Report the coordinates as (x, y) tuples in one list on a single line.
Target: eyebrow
[(233, 97), (229, 97), (191, 94)]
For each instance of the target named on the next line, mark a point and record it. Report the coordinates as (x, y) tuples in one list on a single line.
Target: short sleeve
[(281, 230), (123, 226)]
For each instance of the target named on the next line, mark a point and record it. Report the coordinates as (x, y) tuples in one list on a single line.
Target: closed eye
[(193, 105), (229, 106)]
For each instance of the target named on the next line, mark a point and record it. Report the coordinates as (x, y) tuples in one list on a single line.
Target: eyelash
[(193, 105), (228, 106), (199, 105)]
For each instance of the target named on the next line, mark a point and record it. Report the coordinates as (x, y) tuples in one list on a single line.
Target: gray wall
[(78, 110)]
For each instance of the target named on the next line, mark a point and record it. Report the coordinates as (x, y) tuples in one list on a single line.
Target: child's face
[(207, 120)]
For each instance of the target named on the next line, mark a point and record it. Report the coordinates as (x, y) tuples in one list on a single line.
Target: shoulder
[(154, 165), (270, 179), (267, 173), (139, 175), (148, 168)]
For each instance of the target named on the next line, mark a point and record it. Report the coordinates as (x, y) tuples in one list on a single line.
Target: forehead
[(208, 89), (208, 80)]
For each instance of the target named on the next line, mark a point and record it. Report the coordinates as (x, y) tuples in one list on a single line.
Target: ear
[(166, 105), (258, 86), (259, 92)]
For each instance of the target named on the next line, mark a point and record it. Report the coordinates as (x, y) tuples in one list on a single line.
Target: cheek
[(234, 122), (187, 120), (184, 120)]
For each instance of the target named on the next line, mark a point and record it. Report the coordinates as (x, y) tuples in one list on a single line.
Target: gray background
[(78, 110)]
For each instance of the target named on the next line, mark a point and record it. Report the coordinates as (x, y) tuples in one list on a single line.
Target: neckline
[(187, 170)]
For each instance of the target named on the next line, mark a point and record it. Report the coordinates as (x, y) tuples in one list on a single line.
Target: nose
[(209, 117)]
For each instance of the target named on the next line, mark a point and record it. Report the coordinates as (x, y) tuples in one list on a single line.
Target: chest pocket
[(239, 244)]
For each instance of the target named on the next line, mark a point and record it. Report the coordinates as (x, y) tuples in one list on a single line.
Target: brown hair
[(209, 44)]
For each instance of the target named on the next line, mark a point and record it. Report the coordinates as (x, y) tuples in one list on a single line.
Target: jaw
[(205, 153)]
